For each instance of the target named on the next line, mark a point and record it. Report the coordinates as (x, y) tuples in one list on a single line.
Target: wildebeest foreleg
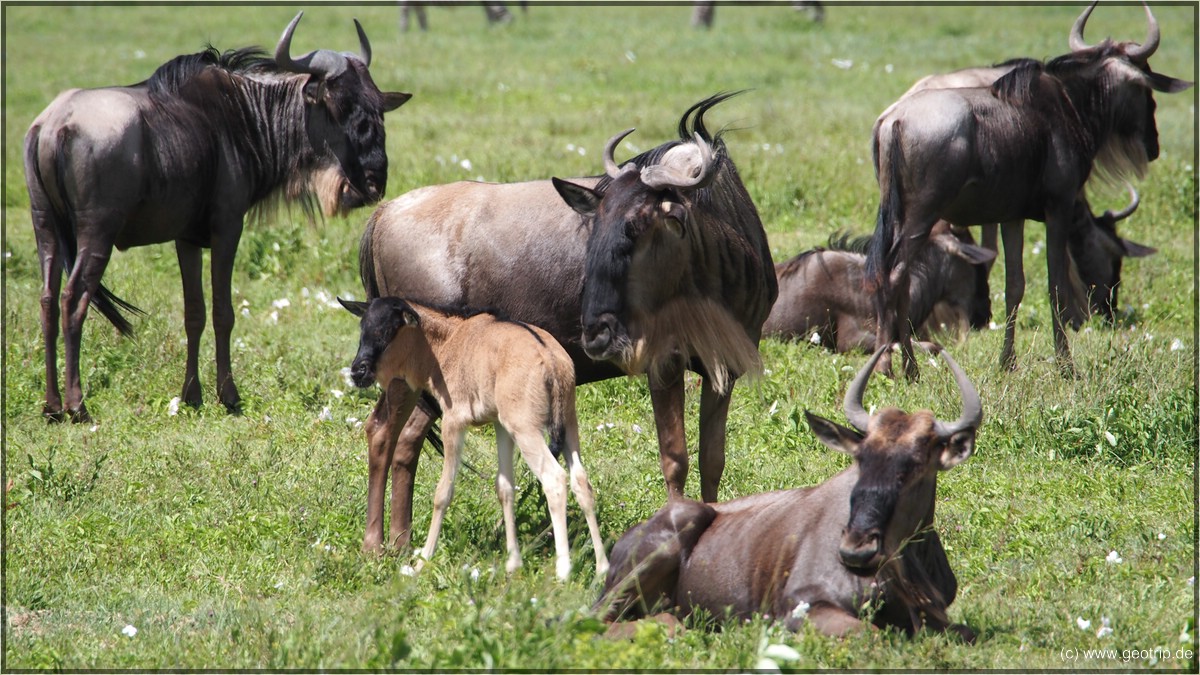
[(1013, 236), (714, 411), (646, 561), (405, 456), (190, 262), (223, 250), (52, 272), (833, 620), (1060, 289), (666, 396), (395, 405), (453, 433)]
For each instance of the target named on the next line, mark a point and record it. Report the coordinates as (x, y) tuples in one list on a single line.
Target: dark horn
[(852, 404), (1076, 38), (972, 408), (610, 164), (1128, 210), (283, 50), (364, 44), (1143, 52)]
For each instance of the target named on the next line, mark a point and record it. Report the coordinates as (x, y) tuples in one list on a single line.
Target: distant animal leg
[(223, 250), (395, 405), (1013, 235), (52, 272), (504, 490), (582, 488), (82, 286), (1060, 290), (554, 483), (714, 411), (453, 434), (194, 317), (404, 471), (666, 397)]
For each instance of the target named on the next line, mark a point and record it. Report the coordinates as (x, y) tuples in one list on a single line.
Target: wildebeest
[(861, 541), (1020, 149), (182, 157), (675, 266), (820, 290), (1094, 250), (479, 369)]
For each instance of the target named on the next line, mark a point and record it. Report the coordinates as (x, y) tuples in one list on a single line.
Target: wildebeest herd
[(659, 266)]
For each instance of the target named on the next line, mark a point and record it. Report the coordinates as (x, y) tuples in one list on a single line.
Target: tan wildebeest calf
[(479, 369), (860, 546)]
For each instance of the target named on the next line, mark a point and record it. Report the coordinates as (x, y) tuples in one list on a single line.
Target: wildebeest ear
[(410, 317), (314, 89), (356, 308), (958, 448), (833, 435), (1136, 250), (1166, 84), (584, 200), (394, 99), (976, 255)]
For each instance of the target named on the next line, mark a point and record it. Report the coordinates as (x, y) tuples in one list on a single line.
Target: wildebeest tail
[(882, 248), (63, 223), (366, 259)]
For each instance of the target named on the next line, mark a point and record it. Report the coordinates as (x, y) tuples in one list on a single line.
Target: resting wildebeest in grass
[(1094, 249), (821, 290), (1020, 149), (480, 369), (856, 550), (659, 265), (182, 157)]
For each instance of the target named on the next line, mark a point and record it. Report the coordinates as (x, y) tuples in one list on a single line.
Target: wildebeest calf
[(863, 539), (479, 369), (821, 290)]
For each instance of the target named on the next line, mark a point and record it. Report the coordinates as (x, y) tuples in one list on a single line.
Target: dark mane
[(172, 75)]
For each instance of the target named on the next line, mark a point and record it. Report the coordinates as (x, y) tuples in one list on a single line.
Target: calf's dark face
[(381, 320)]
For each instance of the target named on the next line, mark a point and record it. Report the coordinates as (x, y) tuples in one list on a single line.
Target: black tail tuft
[(110, 306), (881, 250)]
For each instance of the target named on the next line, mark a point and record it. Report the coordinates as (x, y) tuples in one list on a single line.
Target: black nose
[(362, 375), (598, 336), (860, 550)]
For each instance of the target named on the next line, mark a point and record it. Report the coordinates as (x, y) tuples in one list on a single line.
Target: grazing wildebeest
[(820, 290), (676, 266), (1020, 149), (1094, 250), (181, 157), (862, 540), (479, 369)]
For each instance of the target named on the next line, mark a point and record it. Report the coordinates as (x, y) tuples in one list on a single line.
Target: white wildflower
[(129, 631), (1112, 440), (1083, 623), (637, 428), (1176, 344), (465, 164), (801, 610), (766, 665), (1191, 581), (844, 64), (408, 571), (1113, 558), (777, 652), (1037, 247), (474, 574), (774, 408), (630, 57), (94, 427), (533, 601), (888, 68), (1105, 628), (1162, 535), (337, 393), (582, 151), (274, 316), (992, 325), (326, 415), (815, 338), (275, 247), (139, 54), (304, 292), (279, 585), (570, 147), (1184, 635), (245, 311), (281, 303), (766, 147), (173, 406), (345, 372)]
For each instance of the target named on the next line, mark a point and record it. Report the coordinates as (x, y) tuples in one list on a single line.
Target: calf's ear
[(584, 200), (356, 308), (959, 447), (833, 435)]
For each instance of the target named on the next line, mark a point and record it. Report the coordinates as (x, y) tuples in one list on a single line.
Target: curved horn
[(1143, 51), (972, 408), (1076, 37), (283, 50), (363, 44), (610, 164), (322, 63), (852, 404), (694, 171), (1128, 210)]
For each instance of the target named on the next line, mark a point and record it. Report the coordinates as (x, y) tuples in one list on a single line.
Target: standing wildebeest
[(821, 290), (664, 266), (1020, 149), (1094, 250), (862, 539), (480, 369), (182, 157)]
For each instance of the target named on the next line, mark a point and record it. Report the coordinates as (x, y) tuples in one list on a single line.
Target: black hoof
[(80, 415), (54, 415)]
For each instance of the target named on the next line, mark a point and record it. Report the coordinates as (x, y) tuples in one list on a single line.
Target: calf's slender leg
[(582, 488), (190, 262), (504, 490), (454, 433), (554, 483), (392, 410)]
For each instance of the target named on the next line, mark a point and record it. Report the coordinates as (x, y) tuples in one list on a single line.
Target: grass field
[(232, 542)]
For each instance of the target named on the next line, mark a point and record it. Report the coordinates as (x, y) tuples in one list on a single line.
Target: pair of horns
[(1140, 52), (972, 408), (324, 63), (688, 165)]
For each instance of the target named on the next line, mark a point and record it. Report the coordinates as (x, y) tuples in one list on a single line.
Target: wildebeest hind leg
[(82, 286), (1013, 236), (52, 271), (645, 562), (190, 261), (1060, 291)]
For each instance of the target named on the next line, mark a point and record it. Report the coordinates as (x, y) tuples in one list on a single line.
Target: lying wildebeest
[(479, 369), (182, 157), (1094, 249), (820, 290), (1020, 149), (659, 265), (862, 540)]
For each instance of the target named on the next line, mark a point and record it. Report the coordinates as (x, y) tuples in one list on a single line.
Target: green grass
[(232, 542)]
